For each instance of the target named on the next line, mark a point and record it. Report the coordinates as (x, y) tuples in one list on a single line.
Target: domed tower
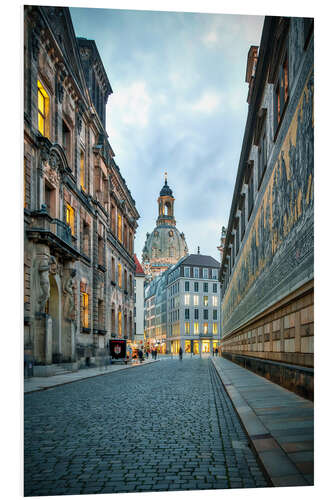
[(165, 245)]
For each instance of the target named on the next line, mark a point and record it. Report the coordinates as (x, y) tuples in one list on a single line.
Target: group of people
[(141, 354), (180, 353)]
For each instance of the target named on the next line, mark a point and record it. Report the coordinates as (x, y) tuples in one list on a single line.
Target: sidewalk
[(41, 383), (278, 422)]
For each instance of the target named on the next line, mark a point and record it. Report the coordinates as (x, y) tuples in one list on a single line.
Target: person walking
[(140, 355), (180, 352)]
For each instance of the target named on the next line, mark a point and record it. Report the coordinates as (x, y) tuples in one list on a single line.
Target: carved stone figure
[(53, 265), (69, 293), (44, 283)]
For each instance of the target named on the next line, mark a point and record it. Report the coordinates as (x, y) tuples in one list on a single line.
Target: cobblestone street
[(165, 426)]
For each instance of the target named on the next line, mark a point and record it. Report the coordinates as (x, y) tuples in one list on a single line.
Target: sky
[(178, 105)]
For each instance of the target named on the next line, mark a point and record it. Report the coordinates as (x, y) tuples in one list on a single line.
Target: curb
[(260, 439), (88, 376)]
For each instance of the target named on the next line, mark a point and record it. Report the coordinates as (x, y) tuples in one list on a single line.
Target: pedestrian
[(140, 355), (147, 354), (180, 354), (216, 352)]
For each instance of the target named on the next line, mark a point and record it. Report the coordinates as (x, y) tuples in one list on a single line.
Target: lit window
[(187, 327), (196, 328), (70, 217), (205, 327), (120, 232), (214, 328), (43, 109), (187, 299), (215, 300), (195, 300), (85, 309), (120, 281), (205, 300), (119, 324)]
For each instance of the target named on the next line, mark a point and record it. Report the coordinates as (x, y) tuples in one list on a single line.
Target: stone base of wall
[(295, 378)]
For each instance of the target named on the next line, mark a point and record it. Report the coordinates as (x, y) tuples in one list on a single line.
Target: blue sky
[(178, 105)]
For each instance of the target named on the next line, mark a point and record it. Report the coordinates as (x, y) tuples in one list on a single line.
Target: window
[(196, 328), (214, 287), (205, 300), (120, 281), (195, 300), (70, 218), (205, 273), (187, 327), (205, 314), (215, 328), (187, 286), (120, 232), (214, 274), (205, 328), (82, 172), (187, 299), (214, 300), (66, 141), (119, 324), (196, 272), (205, 287), (215, 314), (196, 313), (100, 251), (186, 272), (196, 286), (187, 314), (86, 238), (85, 310), (43, 110), (281, 92)]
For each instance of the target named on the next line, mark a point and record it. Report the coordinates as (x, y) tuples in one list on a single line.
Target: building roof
[(138, 270), (196, 259), (166, 190)]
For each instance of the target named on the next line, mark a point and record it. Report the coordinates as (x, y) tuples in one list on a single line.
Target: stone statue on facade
[(69, 296), (44, 283)]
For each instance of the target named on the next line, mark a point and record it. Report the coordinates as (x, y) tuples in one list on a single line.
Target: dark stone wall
[(294, 378)]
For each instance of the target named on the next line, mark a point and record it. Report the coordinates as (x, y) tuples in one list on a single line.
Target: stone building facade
[(165, 245), (267, 267), (79, 216), (139, 294), (182, 307)]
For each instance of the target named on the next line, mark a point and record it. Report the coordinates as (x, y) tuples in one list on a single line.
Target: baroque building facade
[(165, 245), (79, 216), (267, 268)]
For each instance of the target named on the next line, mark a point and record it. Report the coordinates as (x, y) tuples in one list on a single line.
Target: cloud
[(208, 103), (132, 104)]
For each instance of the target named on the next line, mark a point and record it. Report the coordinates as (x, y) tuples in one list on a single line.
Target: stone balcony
[(53, 232)]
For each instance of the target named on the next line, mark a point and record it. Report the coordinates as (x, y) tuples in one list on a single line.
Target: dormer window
[(281, 91)]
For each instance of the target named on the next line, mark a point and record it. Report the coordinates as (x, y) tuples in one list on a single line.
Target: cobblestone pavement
[(168, 426)]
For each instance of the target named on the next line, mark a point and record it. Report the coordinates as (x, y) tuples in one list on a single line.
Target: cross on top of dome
[(165, 191)]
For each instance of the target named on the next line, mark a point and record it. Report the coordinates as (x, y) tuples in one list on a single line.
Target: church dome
[(165, 245)]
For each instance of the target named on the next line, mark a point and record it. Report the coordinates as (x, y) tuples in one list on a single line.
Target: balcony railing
[(54, 232)]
